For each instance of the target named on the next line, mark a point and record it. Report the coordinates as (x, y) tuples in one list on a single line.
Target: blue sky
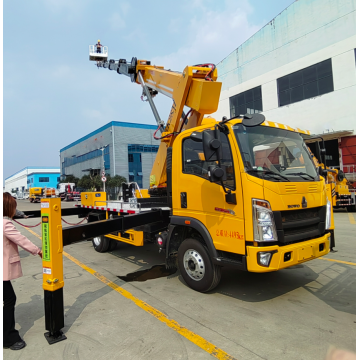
[(52, 93)]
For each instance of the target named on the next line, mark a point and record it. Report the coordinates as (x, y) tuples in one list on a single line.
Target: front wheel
[(101, 243), (196, 266)]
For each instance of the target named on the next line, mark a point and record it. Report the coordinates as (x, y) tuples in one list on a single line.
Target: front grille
[(300, 225), (300, 230), (297, 215)]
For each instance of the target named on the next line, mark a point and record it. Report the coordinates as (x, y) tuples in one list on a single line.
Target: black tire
[(101, 244), (208, 277), (113, 245), (351, 208)]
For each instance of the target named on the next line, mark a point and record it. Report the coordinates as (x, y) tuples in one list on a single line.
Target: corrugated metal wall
[(122, 137)]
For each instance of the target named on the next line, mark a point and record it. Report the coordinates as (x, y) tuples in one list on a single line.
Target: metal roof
[(330, 135), (106, 126), (35, 167)]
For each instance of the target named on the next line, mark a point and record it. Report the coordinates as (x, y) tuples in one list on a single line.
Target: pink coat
[(11, 258)]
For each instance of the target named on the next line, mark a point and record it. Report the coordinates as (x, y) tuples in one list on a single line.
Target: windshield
[(275, 154)]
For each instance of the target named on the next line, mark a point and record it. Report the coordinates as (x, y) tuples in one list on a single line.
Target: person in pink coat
[(12, 270)]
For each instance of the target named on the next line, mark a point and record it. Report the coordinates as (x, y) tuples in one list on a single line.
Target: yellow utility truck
[(243, 192), (38, 193), (343, 195)]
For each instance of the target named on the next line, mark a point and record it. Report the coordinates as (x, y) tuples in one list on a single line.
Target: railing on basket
[(93, 50)]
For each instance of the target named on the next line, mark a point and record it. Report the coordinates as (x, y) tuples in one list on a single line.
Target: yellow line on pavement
[(194, 338), (339, 261), (352, 219)]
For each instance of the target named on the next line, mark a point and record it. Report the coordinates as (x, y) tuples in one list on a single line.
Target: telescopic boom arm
[(195, 87)]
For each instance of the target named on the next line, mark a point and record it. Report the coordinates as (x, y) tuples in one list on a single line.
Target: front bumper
[(300, 252)]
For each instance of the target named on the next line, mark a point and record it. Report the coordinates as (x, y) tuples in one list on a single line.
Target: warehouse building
[(299, 70), (33, 176), (122, 148)]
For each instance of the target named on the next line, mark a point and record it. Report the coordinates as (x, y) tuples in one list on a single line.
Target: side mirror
[(340, 175), (322, 172), (212, 145), (216, 173), (323, 155)]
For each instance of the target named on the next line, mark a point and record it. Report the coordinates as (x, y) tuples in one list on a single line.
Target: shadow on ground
[(27, 313), (257, 287), (337, 290), (340, 291)]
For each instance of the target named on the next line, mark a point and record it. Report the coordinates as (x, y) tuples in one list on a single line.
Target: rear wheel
[(101, 243), (113, 245), (196, 266)]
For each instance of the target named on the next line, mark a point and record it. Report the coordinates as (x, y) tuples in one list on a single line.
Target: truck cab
[(278, 214)]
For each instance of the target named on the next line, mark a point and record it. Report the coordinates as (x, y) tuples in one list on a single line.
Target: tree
[(115, 182), (85, 182), (90, 182), (113, 185), (97, 183)]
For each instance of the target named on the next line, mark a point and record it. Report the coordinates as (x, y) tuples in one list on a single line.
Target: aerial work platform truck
[(241, 192)]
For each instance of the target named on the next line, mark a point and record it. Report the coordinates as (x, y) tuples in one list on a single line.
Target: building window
[(143, 148), (247, 102), (43, 179), (135, 169), (107, 158), (58, 179), (90, 155), (28, 181), (131, 158), (304, 84)]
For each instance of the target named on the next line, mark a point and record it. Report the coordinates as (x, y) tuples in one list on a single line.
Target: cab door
[(194, 196)]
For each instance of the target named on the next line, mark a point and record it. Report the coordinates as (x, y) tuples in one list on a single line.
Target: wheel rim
[(194, 264), (97, 241)]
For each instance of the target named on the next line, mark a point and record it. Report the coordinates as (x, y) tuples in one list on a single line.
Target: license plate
[(305, 253)]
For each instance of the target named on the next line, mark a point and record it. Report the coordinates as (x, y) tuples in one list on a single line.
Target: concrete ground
[(297, 313)]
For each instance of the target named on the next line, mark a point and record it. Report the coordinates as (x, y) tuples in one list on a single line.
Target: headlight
[(328, 215), (263, 221)]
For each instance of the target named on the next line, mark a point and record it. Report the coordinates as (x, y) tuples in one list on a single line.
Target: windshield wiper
[(268, 172), (302, 174)]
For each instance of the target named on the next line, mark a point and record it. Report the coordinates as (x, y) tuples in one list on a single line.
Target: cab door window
[(194, 160)]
